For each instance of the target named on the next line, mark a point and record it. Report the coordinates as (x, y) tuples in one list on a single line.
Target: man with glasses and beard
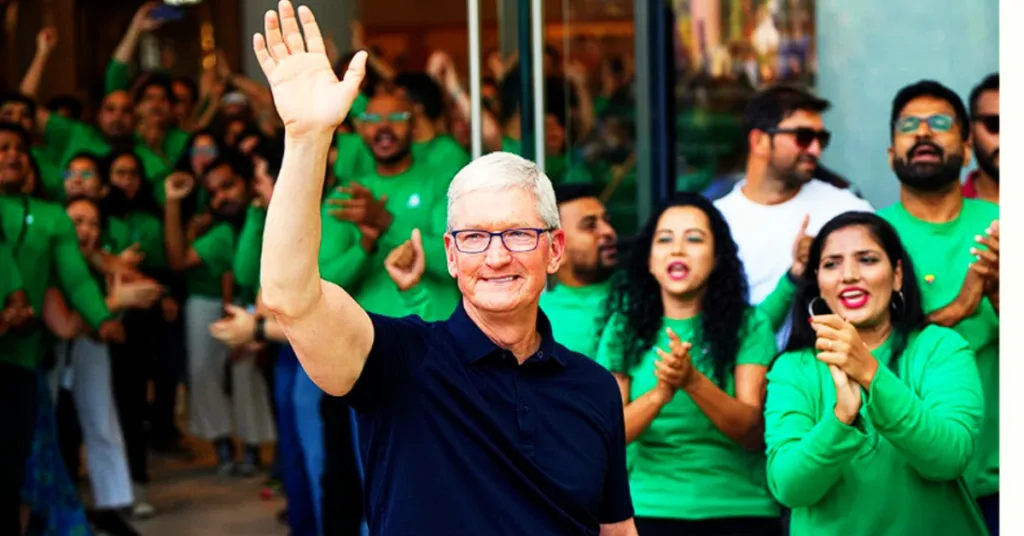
[(779, 197), (954, 243), (983, 183)]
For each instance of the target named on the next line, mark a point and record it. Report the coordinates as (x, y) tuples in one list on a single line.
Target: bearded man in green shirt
[(576, 305), (954, 244)]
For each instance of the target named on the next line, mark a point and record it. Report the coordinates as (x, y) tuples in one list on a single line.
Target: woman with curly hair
[(691, 356), (868, 396)]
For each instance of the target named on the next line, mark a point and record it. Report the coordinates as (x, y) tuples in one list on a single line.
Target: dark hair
[(189, 83), (990, 83), (154, 80), (556, 94), (636, 295), (103, 216), (184, 162), (144, 200), (421, 89), (235, 160), (573, 191), (96, 161), (17, 130), (929, 88), (769, 107), (72, 103), (908, 315), (13, 96), (272, 150)]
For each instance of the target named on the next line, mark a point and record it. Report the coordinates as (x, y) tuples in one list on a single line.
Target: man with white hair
[(481, 424)]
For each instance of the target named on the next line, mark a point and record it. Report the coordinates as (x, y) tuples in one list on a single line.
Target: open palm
[(309, 97)]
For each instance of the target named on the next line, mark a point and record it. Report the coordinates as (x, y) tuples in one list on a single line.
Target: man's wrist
[(259, 331)]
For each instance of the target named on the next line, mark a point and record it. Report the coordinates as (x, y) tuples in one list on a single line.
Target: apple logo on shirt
[(413, 202)]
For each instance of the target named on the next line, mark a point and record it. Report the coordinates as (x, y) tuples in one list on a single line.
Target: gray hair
[(501, 171)]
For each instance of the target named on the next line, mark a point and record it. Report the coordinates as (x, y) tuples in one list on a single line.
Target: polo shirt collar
[(474, 345)]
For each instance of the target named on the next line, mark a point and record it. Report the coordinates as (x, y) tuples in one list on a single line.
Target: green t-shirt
[(354, 158), (576, 315), (682, 465), (442, 153), (942, 254), (246, 264), (52, 178), (43, 243), (898, 470), (415, 201), (10, 277), (559, 168), (66, 138), (216, 248)]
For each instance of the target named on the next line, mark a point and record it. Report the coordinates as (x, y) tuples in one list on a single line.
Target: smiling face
[(498, 280), (14, 165), (682, 251), (856, 277)]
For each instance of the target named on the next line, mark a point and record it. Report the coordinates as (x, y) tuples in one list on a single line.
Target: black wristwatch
[(259, 332)]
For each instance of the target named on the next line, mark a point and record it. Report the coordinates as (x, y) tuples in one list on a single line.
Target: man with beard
[(576, 305), (954, 243), (44, 245), (785, 135), (206, 260), (983, 183)]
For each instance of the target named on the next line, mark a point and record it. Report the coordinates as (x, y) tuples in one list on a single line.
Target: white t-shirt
[(765, 234)]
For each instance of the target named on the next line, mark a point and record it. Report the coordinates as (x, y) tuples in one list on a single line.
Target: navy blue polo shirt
[(458, 438)]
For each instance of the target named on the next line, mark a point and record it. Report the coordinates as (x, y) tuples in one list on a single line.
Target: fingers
[(290, 28), (670, 360), (803, 226), (267, 62), (831, 358), (828, 332), (272, 33), (984, 269), (831, 346), (314, 39), (985, 256), (833, 321), (989, 241), (233, 310), (354, 75), (417, 242)]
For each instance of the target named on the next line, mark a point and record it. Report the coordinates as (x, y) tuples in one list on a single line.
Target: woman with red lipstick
[(691, 356), (867, 395)]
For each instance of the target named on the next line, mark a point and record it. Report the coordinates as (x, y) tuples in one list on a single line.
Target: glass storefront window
[(725, 50)]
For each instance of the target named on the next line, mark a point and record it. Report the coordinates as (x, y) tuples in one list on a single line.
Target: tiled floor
[(191, 500)]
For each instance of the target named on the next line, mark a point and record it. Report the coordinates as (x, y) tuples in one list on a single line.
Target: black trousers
[(342, 498), (131, 364), (724, 526), (18, 392), (168, 373)]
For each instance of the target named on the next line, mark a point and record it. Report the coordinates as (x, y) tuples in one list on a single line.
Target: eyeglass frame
[(927, 120), (822, 136), (501, 235)]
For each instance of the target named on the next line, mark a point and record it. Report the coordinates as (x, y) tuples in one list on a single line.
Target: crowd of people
[(758, 363)]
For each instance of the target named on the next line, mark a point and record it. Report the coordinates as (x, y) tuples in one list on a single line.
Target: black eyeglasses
[(518, 240), (805, 136), (989, 121)]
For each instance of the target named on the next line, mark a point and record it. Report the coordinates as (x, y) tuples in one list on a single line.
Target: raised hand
[(839, 344), (46, 40), (801, 249), (675, 368), (143, 20), (307, 94), (132, 255), (848, 400), (406, 263), (178, 185)]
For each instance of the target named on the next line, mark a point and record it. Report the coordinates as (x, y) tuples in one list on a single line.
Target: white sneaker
[(141, 509)]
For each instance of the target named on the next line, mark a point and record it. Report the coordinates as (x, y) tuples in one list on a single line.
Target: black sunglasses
[(805, 136), (990, 122)]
